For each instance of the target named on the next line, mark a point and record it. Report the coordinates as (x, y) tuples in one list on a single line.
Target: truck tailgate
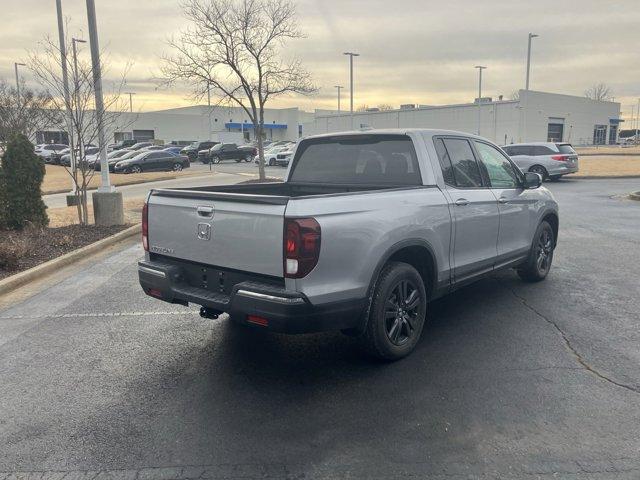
[(218, 230)]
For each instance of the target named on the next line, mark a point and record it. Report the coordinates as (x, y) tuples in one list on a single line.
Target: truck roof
[(395, 131)]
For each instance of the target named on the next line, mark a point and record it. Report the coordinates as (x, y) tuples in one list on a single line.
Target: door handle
[(503, 200), (461, 202), (205, 211)]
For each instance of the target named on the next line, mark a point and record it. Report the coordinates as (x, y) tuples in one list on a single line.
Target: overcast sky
[(413, 51)]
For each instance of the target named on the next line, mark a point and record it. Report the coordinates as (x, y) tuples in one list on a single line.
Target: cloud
[(418, 51)]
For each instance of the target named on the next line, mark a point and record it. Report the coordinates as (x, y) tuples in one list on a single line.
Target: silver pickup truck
[(366, 229)]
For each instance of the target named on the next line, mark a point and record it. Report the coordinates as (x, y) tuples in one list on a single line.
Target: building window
[(555, 131), (599, 134)]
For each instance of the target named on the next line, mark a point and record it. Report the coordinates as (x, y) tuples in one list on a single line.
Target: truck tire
[(538, 264), (397, 313)]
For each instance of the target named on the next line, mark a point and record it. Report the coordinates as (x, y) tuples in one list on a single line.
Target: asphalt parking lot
[(509, 380)]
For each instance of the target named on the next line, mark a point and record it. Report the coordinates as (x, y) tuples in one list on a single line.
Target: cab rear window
[(357, 159)]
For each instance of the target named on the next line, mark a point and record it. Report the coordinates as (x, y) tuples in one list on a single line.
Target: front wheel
[(397, 313), (538, 264), (247, 158), (136, 169), (215, 159), (272, 162)]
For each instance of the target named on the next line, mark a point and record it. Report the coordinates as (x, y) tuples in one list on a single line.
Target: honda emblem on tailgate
[(204, 231)]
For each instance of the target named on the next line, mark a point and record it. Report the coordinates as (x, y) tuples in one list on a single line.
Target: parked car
[(229, 151), (366, 229), (550, 160), (151, 148), (124, 144), (152, 161), (271, 154), (49, 151), (113, 156), (88, 151), (140, 145), (172, 148), (192, 150), (283, 158)]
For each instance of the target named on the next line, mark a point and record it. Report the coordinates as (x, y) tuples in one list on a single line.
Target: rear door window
[(357, 159), (465, 168)]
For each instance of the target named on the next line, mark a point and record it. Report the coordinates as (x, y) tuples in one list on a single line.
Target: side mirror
[(532, 180)]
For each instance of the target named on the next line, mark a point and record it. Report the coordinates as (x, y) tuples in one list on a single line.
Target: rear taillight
[(560, 158), (145, 227), (301, 246)]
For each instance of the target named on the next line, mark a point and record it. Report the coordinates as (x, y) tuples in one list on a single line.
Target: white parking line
[(98, 314)]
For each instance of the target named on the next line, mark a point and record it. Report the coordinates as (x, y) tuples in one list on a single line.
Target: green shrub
[(22, 175)]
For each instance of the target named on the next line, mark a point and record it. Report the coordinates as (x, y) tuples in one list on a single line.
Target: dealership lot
[(509, 379)]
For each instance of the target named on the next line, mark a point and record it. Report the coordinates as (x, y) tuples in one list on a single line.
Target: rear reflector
[(154, 292), (263, 322)]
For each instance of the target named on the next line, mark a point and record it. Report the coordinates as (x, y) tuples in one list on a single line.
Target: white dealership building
[(535, 116)]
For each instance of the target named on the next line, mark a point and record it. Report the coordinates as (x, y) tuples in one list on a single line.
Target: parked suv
[(191, 151), (550, 160), (229, 151)]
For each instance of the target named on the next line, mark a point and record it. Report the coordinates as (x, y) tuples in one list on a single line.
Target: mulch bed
[(21, 250)]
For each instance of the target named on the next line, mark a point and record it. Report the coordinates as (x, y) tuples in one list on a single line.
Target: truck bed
[(272, 192)]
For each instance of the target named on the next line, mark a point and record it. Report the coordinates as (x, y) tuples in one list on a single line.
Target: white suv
[(551, 160)]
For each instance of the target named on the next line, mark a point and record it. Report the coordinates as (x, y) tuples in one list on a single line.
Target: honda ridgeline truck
[(366, 229)]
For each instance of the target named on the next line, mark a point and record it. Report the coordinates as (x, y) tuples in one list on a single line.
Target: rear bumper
[(284, 311), (563, 168)]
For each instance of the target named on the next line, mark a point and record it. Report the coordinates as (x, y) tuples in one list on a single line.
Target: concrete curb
[(19, 279), (635, 196)]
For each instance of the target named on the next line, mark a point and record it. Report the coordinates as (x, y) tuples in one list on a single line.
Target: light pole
[(107, 203), (351, 55), (339, 87), (480, 68), (71, 197), (531, 36), (16, 65), (131, 94)]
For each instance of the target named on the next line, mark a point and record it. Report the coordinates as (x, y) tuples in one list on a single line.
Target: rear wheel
[(136, 169), (247, 158), (215, 159), (538, 263), (540, 170), (177, 167), (397, 313)]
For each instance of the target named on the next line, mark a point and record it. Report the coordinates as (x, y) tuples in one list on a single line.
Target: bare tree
[(83, 121), (362, 108), (600, 91), (27, 113), (233, 47)]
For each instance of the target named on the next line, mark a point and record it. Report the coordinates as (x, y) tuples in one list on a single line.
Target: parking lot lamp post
[(71, 197), (531, 36), (16, 65), (339, 87), (480, 68), (351, 55), (107, 203), (131, 94), (637, 121)]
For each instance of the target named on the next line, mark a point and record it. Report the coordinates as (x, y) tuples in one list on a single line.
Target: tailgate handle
[(205, 211)]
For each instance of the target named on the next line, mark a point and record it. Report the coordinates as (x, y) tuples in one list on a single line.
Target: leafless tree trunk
[(83, 121), (601, 92), (234, 48)]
